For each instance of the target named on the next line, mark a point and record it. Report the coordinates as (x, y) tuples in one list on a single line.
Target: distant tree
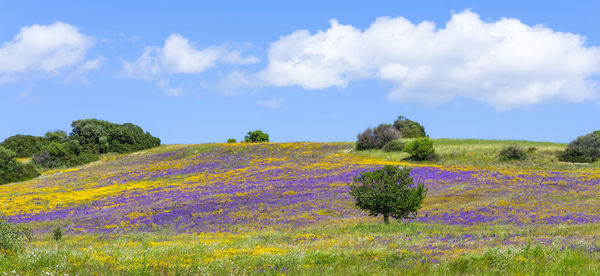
[(420, 149), (24, 145), (56, 136), (409, 128), (585, 149), (231, 140), (12, 170), (389, 191), (99, 136), (256, 136), (376, 138)]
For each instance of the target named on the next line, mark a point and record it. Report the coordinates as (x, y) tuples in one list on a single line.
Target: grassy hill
[(284, 209)]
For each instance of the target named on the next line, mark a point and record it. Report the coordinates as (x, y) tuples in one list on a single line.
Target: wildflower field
[(285, 209)]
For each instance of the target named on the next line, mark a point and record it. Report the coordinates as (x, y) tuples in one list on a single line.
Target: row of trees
[(88, 139)]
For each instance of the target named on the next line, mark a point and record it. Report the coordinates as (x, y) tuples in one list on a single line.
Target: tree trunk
[(386, 219)]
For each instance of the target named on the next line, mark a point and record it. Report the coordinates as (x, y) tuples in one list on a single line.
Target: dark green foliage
[(12, 170), (256, 136), (395, 145), (376, 138), (409, 128), (67, 154), (12, 237), (389, 191), (512, 152), (584, 149), (421, 149), (57, 136), (24, 145), (57, 233), (97, 136), (231, 140)]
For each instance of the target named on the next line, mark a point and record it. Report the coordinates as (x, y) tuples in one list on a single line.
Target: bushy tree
[(57, 136), (389, 191), (12, 170), (376, 138), (421, 149), (231, 140), (585, 149), (256, 136), (67, 154), (24, 145), (512, 152), (409, 128), (99, 136), (391, 146)]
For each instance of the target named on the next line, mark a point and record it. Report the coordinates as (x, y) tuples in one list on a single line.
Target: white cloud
[(165, 86), (271, 103), (178, 55), (43, 48), (505, 63)]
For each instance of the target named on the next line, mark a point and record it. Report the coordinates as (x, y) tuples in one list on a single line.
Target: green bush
[(376, 138), (512, 152), (231, 140), (389, 191), (12, 237), (395, 145), (256, 136), (24, 145), (97, 136), (421, 149), (57, 136), (12, 170), (408, 128), (584, 149), (59, 155)]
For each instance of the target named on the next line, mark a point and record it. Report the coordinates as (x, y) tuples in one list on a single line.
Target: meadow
[(284, 208)]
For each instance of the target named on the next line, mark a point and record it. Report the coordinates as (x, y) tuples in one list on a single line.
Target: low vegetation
[(584, 149), (11, 170), (512, 152)]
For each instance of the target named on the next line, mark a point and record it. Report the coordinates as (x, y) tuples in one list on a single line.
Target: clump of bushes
[(512, 152), (377, 138), (24, 145), (231, 140), (391, 146), (385, 133), (256, 136), (389, 191), (584, 149), (409, 128), (12, 237), (97, 136), (421, 149), (12, 170)]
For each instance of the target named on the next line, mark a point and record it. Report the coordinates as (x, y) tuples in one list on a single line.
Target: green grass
[(477, 152)]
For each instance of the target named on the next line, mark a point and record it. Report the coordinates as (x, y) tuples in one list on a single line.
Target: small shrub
[(395, 145), (409, 128), (376, 138), (12, 170), (531, 149), (256, 136), (512, 152), (584, 149), (57, 233), (389, 191), (421, 149), (12, 237), (231, 140)]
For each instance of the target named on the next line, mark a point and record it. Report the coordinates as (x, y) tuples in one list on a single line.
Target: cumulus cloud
[(271, 103), (505, 63), (43, 48), (178, 55)]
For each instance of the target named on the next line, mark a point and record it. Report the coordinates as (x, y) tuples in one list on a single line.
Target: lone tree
[(256, 136), (389, 191)]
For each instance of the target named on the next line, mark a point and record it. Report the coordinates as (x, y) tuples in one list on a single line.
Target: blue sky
[(302, 71)]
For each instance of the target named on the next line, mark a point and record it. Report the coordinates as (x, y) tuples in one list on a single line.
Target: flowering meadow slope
[(285, 207), (248, 186)]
